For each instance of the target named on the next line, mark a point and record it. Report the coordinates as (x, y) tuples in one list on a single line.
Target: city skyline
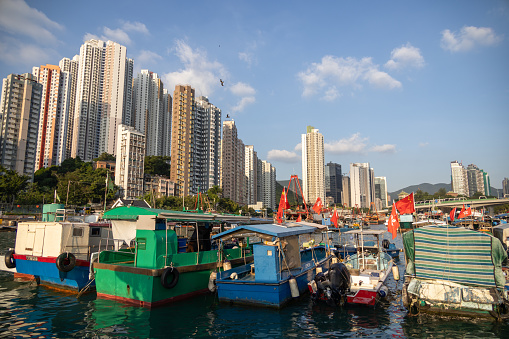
[(402, 87)]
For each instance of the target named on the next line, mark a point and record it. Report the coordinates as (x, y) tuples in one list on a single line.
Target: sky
[(408, 86)]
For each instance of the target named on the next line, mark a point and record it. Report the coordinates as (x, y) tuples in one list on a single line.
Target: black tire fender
[(170, 277), (66, 262), (10, 262)]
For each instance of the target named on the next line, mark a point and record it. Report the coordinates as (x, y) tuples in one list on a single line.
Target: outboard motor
[(386, 243), (332, 287), (339, 277)]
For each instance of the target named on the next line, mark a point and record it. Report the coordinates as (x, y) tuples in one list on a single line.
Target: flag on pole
[(335, 218), (282, 205), (318, 205), (393, 223), (465, 212), (406, 205), (452, 214)]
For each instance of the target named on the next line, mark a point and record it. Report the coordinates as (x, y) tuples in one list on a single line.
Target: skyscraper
[(505, 186), (181, 133), (361, 185), (459, 181), (251, 171), (53, 120), (232, 164), (381, 192), (267, 180), (103, 98), (19, 122), (70, 66), (130, 159), (333, 182), (313, 167), (475, 180)]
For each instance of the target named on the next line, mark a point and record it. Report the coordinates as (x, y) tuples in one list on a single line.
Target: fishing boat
[(57, 251), (154, 263), (281, 268), (360, 278), (454, 270)]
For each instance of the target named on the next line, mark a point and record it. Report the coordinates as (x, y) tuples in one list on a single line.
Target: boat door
[(33, 240)]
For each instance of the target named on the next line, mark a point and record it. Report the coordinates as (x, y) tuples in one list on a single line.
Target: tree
[(157, 165), (11, 184), (105, 157)]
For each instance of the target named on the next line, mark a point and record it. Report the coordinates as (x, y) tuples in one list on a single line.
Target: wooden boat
[(162, 266), (281, 269), (58, 253), (454, 270), (360, 278)]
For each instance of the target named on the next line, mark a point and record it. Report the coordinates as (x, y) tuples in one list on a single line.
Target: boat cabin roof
[(275, 230), (366, 232)]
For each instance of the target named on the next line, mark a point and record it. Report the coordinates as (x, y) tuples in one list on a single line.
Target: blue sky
[(408, 86)]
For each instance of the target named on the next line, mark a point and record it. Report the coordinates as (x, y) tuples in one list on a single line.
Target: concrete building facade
[(313, 167), (130, 159), (459, 180), (333, 183), (232, 164)]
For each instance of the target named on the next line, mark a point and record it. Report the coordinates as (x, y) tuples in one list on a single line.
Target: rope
[(84, 289)]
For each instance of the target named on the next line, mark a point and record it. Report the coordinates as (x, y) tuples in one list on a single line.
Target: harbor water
[(28, 310)]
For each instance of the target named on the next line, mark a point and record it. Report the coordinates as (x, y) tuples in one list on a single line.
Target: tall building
[(206, 150), (486, 182), (181, 132), (313, 167), (19, 122), (167, 107), (103, 98), (130, 159), (505, 186), (459, 181), (149, 111), (251, 171), (475, 179), (53, 119), (70, 66), (232, 164), (267, 184), (345, 193), (361, 185), (381, 192), (333, 182)]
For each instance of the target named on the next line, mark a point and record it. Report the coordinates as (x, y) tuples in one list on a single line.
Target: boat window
[(77, 232), (95, 232)]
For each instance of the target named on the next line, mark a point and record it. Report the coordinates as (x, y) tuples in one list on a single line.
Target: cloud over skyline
[(468, 38)]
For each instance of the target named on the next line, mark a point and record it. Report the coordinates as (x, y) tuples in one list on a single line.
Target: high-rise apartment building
[(206, 150), (181, 137), (361, 185), (232, 164), (505, 186), (70, 66), (267, 184), (486, 182), (475, 179), (345, 193), (167, 116), (313, 167), (130, 159), (149, 111), (333, 182), (19, 122), (459, 181), (53, 120), (251, 171), (103, 98), (381, 192)]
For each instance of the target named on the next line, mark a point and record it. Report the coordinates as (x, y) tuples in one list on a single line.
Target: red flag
[(452, 214), (393, 223), (282, 205), (335, 218), (465, 212), (299, 218), (406, 205), (318, 205)]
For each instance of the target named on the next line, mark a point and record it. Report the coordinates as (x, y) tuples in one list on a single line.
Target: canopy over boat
[(455, 254), (264, 231)]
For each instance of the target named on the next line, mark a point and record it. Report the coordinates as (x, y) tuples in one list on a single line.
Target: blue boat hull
[(266, 294), (47, 272)]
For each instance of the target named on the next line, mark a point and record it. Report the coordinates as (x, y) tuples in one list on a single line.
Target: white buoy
[(234, 276), (395, 272), (212, 281), (227, 265), (383, 291), (318, 270), (294, 288)]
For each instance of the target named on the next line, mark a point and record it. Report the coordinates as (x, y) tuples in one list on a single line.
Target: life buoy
[(170, 277), (10, 262), (66, 262)]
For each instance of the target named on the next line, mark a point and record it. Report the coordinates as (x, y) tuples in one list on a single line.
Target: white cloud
[(135, 27), (243, 103), (147, 57), (283, 156), (16, 52), (468, 38), (202, 74), (17, 18), (333, 72), (246, 92), (423, 144), (353, 144), (386, 148), (406, 56), (246, 57), (116, 35)]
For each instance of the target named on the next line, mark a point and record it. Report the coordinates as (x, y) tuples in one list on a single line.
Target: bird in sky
[(227, 116), (222, 82)]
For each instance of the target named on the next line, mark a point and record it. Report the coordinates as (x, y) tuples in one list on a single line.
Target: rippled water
[(27, 310)]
